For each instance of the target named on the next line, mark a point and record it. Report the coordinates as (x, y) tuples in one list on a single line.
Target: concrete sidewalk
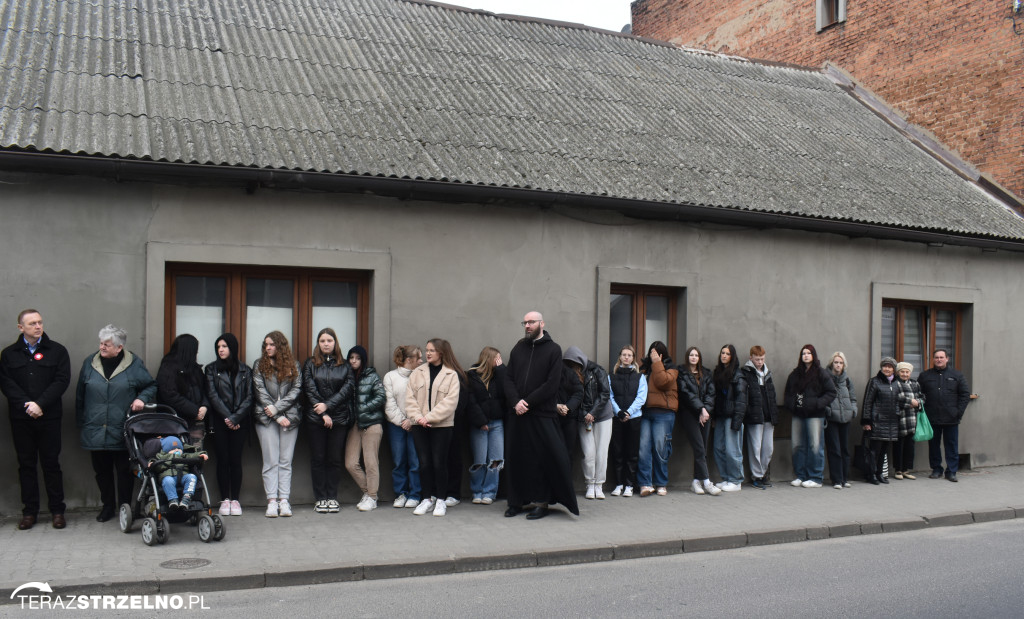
[(309, 548)]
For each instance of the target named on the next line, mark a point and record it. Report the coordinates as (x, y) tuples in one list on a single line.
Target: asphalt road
[(966, 571)]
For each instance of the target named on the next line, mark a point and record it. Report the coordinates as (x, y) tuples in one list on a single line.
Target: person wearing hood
[(181, 384), (364, 438), (880, 414), (595, 423), (111, 382), (229, 390), (539, 469), (405, 476), (731, 398), (328, 384), (761, 417), (839, 414), (628, 395), (659, 417)]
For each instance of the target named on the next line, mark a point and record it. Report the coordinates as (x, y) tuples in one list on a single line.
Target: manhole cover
[(184, 564)]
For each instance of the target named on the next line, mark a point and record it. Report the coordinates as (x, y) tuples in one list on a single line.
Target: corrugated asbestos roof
[(406, 89)]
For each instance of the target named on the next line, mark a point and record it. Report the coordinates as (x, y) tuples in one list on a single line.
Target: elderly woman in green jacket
[(111, 382)]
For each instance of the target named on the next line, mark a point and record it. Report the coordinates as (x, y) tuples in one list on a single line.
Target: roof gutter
[(137, 170)]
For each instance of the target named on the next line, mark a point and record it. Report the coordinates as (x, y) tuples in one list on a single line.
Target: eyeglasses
[(527, 323)]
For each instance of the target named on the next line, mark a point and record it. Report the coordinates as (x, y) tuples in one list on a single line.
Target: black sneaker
[(185, 500), (172, 504), (758, 483), (952, 477), (935, 475)]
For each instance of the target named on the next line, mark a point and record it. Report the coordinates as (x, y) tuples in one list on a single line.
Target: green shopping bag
[(924, 428)]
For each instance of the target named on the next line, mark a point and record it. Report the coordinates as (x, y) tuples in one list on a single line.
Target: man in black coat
[(538, 464), (35, 372), (946, 396)]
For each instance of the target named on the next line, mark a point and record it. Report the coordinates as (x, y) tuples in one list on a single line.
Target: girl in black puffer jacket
[(229, 391), (880, 414), (364, 439), (328, 383), (809, 391), (696, 402)]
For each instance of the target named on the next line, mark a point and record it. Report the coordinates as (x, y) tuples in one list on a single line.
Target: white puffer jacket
[(395, 383)]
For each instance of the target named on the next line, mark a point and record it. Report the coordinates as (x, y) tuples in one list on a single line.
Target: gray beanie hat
[(887, 361)]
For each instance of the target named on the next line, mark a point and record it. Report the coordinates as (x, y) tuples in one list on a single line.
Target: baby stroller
[(149, 503)]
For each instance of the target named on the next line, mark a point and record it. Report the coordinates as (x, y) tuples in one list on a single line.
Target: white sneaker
[(810, 483), (617, 491), (838, 486), (697, 487), (451, 502), (486, 500), (320, 507), (627, 491), (847, 485), (590, 492), (225, 508), (425, 506), (400, 501), (598, 492), (272, 510), (412, 503), (796, 483), (367, 504), (236, 508), (284, 508), (721, 484), (332, 506), (441, 507), (711, 488), (731, 487)]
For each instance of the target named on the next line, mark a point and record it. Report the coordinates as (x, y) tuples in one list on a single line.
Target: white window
[(828, 12)]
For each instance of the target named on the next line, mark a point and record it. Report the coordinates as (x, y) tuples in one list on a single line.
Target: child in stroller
[(174, 464)]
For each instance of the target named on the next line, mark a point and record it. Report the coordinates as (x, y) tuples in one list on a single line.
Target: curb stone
[(719, 542), (641, 550), (991, 515), (780, 536), (949, 519), (575, 555), (908, 524)]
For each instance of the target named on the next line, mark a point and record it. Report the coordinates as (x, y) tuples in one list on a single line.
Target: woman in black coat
[(328, 382), (229, 391), (486, 425), (696, 402), (880, 415), (809, 391), (180, 384)]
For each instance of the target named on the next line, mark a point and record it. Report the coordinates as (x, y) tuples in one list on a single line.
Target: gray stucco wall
[(91, 252)]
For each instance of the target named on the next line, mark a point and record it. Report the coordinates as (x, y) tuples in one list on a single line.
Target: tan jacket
[(662, 391), (444, 396)]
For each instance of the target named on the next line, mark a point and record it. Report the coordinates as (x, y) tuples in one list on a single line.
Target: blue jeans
[(949, 438), (729, 451), (655, 447), (809, 448), (170, 485), (488, 459), (405, 477)]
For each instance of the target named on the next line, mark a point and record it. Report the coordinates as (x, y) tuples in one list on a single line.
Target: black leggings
[(227, 445), (624, 451), (432, 449), (697, 435)]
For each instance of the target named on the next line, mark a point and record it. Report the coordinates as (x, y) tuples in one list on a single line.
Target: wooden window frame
[(639, 294), (930, 311), (235, 301)]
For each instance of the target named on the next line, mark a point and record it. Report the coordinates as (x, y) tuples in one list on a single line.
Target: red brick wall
[(955, 68)]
